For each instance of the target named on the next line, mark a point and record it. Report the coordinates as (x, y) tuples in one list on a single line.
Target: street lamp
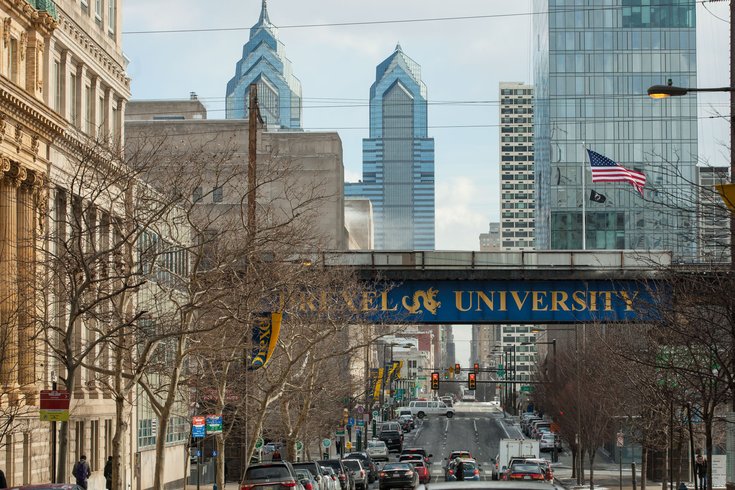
[(670, 90)]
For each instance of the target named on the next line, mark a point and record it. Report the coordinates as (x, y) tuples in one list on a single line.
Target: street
[(474, 428)]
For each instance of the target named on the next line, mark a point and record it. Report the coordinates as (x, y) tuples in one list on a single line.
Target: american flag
[(605, 170)]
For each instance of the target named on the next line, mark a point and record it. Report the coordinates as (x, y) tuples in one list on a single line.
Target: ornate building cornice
[(26, 14), (30, 112), (95, 51)]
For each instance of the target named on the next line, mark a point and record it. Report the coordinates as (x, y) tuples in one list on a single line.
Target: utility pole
[(253, 118)]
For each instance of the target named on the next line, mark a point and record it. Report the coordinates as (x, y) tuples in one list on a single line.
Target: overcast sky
[(461, 60)]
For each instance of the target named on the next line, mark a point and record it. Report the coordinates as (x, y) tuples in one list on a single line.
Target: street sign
[(326, 443), (198, 426), (361, 423), (360, 409), (500, 371), (214, 424), (351, 421), (54, 406), (299, 445), (620, 439), (526, 389), (214, 453), (376, 414), (259, 442), (154, 427), (339, 433)]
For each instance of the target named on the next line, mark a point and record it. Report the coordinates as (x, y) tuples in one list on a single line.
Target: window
[(101, 115), (115, 122), (89, 102), (98, 12), (57, 86), (13, 60), (197, 194), (111, 16), (73, 100), (217, 194)]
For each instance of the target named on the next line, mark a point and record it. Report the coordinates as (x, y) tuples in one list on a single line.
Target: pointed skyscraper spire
[(264, 14)]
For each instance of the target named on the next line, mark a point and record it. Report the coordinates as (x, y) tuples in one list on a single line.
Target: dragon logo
[(429, 301)]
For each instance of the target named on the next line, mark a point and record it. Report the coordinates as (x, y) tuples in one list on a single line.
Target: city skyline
[(467, 153)]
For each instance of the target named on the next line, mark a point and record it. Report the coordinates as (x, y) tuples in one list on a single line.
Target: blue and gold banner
[(378, 384), (266, 329)]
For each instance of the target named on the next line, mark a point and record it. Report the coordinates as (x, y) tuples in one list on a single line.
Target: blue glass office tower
[(398, 158), (264, 62), (593, 64)]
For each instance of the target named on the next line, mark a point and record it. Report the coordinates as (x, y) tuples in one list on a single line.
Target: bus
[(468, 395)]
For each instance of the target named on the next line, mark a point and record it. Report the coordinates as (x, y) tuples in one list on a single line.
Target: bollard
[(682, 486), (632, 472), (214, 487)]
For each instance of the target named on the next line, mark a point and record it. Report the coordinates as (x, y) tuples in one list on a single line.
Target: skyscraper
[(264, 63), (398, 158), (593, 65), (517, 192)]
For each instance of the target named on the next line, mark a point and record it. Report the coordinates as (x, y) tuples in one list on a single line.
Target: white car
[(377, 450)]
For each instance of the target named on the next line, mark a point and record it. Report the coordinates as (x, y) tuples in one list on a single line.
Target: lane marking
[(474, 423)]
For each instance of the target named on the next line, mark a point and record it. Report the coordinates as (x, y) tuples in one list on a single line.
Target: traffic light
[(472, 381), (457, 369), (434, 381), (476, 368), (345, 416)]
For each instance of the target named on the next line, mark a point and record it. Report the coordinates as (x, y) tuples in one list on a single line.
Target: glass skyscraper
[(594, 61), (398, 158), (264, 63)]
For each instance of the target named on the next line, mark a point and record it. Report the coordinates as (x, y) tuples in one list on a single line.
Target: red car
[(523, 471), (422, 470)]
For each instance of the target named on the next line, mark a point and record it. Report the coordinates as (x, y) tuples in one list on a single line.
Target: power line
[(397, 21)]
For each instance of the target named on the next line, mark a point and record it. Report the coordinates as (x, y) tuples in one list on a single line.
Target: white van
[(421, 409)]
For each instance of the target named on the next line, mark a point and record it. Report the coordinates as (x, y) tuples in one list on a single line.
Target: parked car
[(316, 471), (357, 472), (524, 471), (377, 450), (398, 475), (548, 442), (343, 476), (306, 479), (422, 409), (393, 439), (470, 470), (331, 476), (448, 400), (367, 463), (269, 475)]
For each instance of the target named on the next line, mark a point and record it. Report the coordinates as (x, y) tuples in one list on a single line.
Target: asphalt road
[(473, 428)]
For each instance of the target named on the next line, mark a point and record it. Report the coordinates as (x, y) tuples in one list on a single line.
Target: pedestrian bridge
[(435, 287)]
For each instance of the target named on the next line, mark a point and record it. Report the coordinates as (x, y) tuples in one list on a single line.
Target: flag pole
[(584, 199)]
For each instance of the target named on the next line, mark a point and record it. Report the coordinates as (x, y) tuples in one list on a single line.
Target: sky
[(462, 61)]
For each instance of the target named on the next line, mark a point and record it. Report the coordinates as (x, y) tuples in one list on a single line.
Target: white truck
[(513, 448)]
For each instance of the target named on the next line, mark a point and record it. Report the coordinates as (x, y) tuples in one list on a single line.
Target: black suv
[(345, 479), (392, 439)]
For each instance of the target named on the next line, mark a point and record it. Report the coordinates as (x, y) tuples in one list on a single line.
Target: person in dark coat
[(700, 463), (81, 471), (459, 470), (3, 482), (108, 473)]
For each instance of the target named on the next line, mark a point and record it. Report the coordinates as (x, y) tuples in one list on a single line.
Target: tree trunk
[(679, 446), (581, 465), (161, 446), (644, 466), (708, 444), (219, 441), (592, 455), (63, 461), (118, 443), (574, 461), (665, 479)]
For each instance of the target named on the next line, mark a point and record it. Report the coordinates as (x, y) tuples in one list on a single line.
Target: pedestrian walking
[(3, 482), (459, 470), (108, 473), (700, 463), (81, 471), (276, 455)]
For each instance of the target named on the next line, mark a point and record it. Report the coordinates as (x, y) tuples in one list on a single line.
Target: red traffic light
[(476, 368), (472, 381), (457, 369), (434, 381)]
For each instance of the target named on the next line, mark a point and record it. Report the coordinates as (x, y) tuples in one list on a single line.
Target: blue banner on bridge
[(524, 301)]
